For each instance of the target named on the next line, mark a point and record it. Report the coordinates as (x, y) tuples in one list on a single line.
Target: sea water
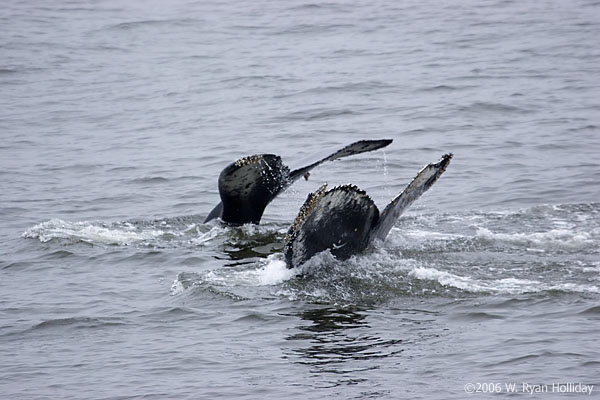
[(117, 117)]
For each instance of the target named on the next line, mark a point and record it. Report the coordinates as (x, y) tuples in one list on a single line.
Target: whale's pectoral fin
[(247, 186), (419, 185), (362, 146), (340, 220)]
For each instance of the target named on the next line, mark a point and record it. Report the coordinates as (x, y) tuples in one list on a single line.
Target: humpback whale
[(249, 184), (346, 221)]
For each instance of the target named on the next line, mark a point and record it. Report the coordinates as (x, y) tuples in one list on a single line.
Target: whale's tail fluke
[(345, 220), (419, 185), (249, 184), (362, 146), (340, 220)]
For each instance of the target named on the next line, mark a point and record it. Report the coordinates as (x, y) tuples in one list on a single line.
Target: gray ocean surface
[(117, 117)]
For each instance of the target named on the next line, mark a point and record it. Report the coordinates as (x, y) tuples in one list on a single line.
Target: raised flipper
[(340, 219), (362, 146), (419, 185), (248, 185), (346, 221)]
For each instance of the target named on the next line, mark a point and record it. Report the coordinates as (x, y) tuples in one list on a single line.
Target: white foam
[(275, 271), (89, 232), (574, 287), (446, 279), (421, 235), (506, 285), (177, 287), (271, 271), (563, 238), (206, 237), (264, 228)]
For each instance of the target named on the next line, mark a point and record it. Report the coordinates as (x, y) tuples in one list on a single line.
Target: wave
[(500, 286), (10, 70), (549, 241), (479, 107), (549, 249), (90, 232), (150, 180), (550, 229), (368, 279), (554, 238), (269, 272), (318, 114), (131, 25), (348, 87), (61, 324)]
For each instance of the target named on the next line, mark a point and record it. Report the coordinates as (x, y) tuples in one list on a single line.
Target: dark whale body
[(249, 184), (346, 221)]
